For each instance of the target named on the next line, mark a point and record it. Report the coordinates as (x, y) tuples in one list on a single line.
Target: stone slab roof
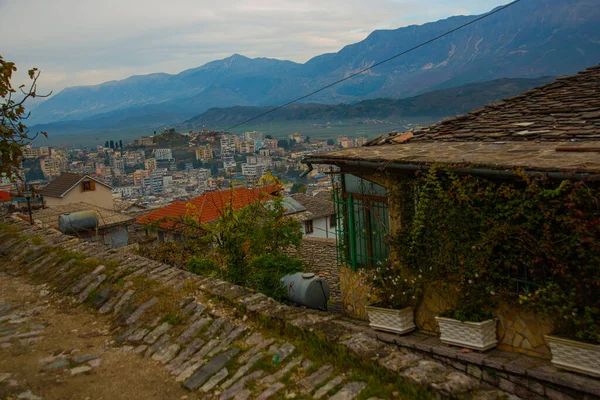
[(106, 218), (533, 156), (316, 207), (520, 132), (64, 183), (567, 109)]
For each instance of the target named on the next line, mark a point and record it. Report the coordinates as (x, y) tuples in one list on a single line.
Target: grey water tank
[(307, 289), (77, 221)]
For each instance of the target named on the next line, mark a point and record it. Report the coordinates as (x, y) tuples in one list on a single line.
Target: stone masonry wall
[(319, 256), (208, 333)]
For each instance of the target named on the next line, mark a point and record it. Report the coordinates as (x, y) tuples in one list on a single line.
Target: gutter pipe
[(483, 172)]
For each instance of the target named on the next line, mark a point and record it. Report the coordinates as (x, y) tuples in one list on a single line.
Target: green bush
[(267, 271), (203, 266)]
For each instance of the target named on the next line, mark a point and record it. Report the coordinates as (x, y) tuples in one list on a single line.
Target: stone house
[(317, 218), (551, 131), (76, 188)]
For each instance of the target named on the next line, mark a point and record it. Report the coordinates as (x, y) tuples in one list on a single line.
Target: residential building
[(316, 215), (264, 152), (253, 136), (163, 154), (254, 170), (30, 152), (270, 143), (245, 147), (150, 164), (75, 188), (139, 175), (126, 191), (204, 153), (117, 162), (228, 145), (52, 166)]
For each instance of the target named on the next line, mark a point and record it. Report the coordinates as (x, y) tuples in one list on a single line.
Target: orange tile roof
[(4, 196), (209, 206)]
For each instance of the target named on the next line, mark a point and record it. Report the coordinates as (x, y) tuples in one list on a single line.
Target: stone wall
[(195, 326), (517, 331), (202, 329), (319, 256)]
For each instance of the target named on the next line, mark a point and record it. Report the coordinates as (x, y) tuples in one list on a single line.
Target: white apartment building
[(163, 154), (253, 170)]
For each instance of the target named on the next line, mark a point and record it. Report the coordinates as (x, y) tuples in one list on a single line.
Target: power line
[(376, 64)]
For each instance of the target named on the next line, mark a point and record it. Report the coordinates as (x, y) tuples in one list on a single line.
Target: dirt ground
[(51, 348)]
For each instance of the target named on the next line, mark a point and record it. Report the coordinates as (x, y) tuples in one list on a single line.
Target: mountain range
[(530, 39), (436, 104)]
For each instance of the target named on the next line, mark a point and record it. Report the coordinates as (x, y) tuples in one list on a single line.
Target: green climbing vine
[(532, 242)]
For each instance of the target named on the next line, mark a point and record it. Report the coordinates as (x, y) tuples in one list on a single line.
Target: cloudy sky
[(86, 42)]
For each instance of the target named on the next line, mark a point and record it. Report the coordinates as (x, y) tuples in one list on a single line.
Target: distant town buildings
[(150, 173)]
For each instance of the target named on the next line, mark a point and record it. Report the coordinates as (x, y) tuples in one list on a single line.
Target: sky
[(87, 42)]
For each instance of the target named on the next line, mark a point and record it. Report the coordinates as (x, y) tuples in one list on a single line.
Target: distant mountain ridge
[(530, 39), (439, 103)]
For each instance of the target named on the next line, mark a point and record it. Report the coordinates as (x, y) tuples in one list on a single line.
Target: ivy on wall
[(531, 241)]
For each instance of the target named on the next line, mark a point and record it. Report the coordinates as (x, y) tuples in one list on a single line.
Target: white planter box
[(472, 335), (395, 321), (575, 356)]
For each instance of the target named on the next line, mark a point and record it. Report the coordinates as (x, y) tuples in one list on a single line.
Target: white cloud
[(85, 42)]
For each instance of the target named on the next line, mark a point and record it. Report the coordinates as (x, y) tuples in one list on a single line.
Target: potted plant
[(470, 324), (394, 295), (575, 345)]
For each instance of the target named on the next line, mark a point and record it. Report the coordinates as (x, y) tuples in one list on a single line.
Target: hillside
[(533, 38), (439, 103)]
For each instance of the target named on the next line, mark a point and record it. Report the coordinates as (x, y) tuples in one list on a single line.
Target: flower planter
[(473, 335), (575, 356), (388, 320)]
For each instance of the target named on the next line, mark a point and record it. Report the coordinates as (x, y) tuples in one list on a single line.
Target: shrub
[(267, 271), (203, 266)]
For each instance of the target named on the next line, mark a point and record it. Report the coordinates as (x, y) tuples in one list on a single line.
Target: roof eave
[(461, 170)]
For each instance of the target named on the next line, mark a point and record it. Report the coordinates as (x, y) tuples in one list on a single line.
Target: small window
[(89, 186), (308, 227), (332, 221)]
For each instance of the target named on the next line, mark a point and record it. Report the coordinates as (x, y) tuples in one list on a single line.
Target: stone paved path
[(162, 318)]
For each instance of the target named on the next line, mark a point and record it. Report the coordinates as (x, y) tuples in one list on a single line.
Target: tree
[(307, 139), (330, 142), (298, 188), (13, 131), (112, 144), (283, 143), (121, 144), (106, 145), (268, 137)]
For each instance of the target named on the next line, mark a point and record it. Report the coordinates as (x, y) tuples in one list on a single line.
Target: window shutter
[(92, 185)]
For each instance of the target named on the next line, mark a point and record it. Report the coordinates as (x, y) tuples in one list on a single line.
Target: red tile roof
[(4, 196), (209, 206)]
